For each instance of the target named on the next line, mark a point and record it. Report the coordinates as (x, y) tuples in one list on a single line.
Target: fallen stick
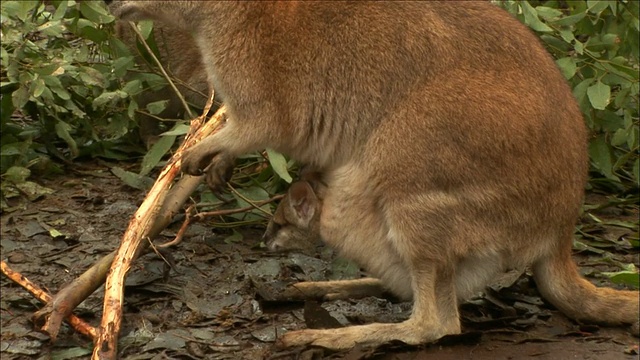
[(106, 343), (80, 325)]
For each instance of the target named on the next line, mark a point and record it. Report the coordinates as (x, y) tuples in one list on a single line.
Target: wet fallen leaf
[(70, 353)]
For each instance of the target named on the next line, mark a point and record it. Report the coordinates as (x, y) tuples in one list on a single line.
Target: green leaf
[(108, 97), (132, 87), (532, 20), (91, 76), (19, 9), (20, 97), (132, 179), (568, 67), (178, 129), (548, 13), (600, 154), (157, 107), (12, 149), (38, 87), (55, 86), (61, 10), (70, 353), (597, 6), (628, 276), (63, 131), (567, 36), (52, 28), (145, 27), (122, 65), (94, 11), (34, 191), (279, 165), (569, 20), (253, 193), (17, 174), (599, 95), (580, 93), (155, 154), (619, 137)]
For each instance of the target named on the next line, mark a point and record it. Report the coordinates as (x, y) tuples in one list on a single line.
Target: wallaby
[(450, 144), (182, 60), (295, 225)]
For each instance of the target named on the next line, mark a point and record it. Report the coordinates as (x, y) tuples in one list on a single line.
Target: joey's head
[(296, 223), (177, 13)]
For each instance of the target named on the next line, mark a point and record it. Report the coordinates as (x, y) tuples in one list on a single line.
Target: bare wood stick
[(80, 325), (107, 341)]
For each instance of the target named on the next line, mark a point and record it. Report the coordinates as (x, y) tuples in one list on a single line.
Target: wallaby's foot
[(204, 159), (334, 290), (409, 332), (219, 172), (196, 159)]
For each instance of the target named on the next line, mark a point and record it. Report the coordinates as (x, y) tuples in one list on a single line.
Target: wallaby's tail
[(560, 283)]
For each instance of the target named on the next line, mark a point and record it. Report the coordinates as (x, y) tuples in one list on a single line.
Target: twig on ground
[(80, 325), (201, 216)]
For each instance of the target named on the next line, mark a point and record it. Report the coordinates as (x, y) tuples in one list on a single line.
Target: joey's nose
[(274, 246)]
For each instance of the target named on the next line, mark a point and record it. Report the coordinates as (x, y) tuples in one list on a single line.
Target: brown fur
[(450, 144)]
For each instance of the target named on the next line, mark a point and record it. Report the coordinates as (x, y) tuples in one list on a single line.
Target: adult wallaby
[(450, 144)]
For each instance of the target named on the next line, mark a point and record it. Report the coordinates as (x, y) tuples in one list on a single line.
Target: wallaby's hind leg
[(334, 290), (434, 315)]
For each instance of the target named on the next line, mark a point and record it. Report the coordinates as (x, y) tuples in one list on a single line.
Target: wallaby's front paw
[(196, 160), (219, 172)]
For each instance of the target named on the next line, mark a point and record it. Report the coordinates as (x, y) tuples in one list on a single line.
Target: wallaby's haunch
[(450, 144)]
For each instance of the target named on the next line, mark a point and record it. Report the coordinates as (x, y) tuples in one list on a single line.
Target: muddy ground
[(209, 304)]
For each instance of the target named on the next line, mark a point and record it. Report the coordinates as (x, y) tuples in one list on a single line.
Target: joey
[(295, 224)]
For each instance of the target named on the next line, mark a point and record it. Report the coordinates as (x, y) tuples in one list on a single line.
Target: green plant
[(59, 89), (596, 46)]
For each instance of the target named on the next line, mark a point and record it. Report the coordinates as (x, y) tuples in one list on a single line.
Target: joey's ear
[(302, 201)]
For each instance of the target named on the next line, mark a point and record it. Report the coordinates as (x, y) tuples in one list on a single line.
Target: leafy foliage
[(596, 46), (57, 83)]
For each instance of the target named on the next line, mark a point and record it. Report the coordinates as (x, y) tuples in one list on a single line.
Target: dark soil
[(209, 302)]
